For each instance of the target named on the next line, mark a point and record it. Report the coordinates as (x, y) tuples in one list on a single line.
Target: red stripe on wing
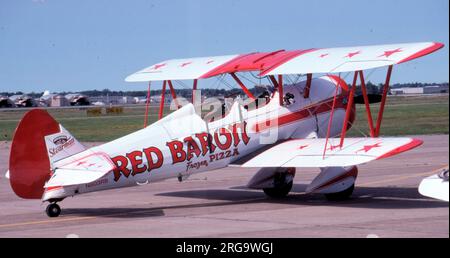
[(411, 145), (423, 52)]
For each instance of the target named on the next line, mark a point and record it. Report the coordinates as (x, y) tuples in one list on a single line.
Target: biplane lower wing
[(310, 152)]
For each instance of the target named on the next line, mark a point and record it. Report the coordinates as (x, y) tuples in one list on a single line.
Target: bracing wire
[(244, 77)]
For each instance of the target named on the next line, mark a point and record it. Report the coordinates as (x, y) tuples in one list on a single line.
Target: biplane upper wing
[(179, 69), (314, 60), (346, 59), (310, 152)]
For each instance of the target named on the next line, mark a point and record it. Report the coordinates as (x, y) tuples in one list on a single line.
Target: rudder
[(29, 165)]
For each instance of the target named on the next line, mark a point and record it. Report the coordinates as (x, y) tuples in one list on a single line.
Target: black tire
[(279, 191), (53, 210), (342, 195)]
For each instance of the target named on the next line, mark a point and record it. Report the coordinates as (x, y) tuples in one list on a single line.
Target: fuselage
[(183, 143)]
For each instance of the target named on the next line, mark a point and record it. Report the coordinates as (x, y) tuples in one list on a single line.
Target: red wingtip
[(411, 145), (29, 166), (436, 46)]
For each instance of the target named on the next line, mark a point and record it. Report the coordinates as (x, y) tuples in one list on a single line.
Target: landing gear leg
[(53, 210)]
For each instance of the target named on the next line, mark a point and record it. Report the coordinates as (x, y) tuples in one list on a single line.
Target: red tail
[(29, 166)]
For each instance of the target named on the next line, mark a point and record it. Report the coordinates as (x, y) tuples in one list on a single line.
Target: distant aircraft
[(23, 101), (5, 102), (77, 99), (300, 125)]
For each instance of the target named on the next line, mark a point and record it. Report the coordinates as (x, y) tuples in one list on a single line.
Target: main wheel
[(279, 191), (342, 195), (53, 210)]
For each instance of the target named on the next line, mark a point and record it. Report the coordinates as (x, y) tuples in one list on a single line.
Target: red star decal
[(367, 148), (302, 147), (210, 61), (332, 147), (390, 52), (184, 64), (351, 54), (81, 163), (323, 55), (156, 67)]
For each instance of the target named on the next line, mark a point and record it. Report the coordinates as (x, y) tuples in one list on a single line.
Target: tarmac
[(385, 204)]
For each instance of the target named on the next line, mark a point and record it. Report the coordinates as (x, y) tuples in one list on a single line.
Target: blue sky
[(64, 45)]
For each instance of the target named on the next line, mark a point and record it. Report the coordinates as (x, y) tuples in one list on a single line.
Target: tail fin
[(30, 158), (61, 145)]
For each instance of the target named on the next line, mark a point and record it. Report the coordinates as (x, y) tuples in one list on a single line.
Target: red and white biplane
[(298, 125)]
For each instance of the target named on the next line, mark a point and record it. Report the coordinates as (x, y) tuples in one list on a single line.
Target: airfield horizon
[(406, 115)]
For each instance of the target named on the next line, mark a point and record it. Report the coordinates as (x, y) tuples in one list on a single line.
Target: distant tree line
[(187, 93)]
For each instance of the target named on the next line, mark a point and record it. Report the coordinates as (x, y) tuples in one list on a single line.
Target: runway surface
[(385, 203)]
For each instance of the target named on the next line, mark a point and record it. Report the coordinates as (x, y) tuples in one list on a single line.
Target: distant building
[(407, 90), (53, 100), (125, 100), (434, 89), (115, 100), (157, 99), (59, 101)]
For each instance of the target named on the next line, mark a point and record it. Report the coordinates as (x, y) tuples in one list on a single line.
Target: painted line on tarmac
[(429, 173), (56, 220), (44, 222)]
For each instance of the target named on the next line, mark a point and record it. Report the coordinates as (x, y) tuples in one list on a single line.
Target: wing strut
[(367, 103), (174, 95), (249, 94), (147, 104), (383, 101), (194, 88), (274, 81), (163, 98), (280, 88), (308, 85), (331, 119), (374, 131), (349, 108)]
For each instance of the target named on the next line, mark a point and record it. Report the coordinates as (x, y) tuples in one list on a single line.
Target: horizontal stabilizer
[(65, 177), (309, 152), (82, 168)]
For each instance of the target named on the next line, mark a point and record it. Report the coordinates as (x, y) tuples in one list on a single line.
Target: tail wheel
[(342, 195), (53, 210)]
